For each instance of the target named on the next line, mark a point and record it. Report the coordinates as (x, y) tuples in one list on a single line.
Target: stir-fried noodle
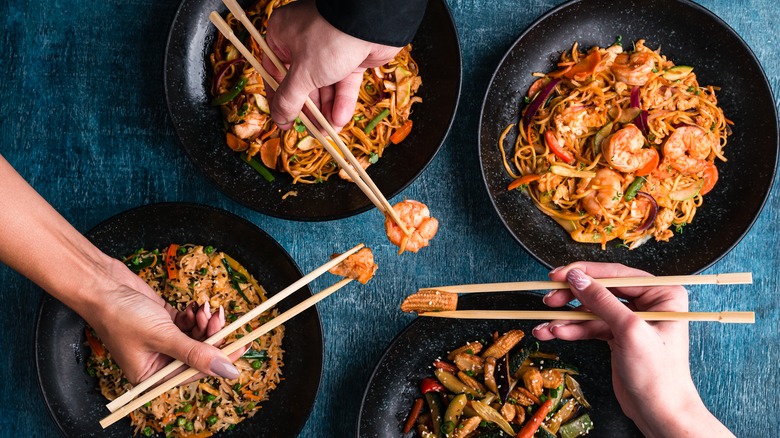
[(618, 144), (381, 116), (182, 275)]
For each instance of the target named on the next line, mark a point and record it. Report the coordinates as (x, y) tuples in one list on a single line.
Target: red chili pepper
[(555, 146), (170, 262), (535, 421), (430, 384), (413, 414), (446, 366)]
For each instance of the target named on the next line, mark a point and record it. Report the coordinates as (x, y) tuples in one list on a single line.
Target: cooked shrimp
[(634, 69), (252, 126), (417, 218), (687, 149), (623, 150), (604, 192), (359, 266)]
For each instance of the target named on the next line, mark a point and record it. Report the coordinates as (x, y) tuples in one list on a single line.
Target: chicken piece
[(359, 266)]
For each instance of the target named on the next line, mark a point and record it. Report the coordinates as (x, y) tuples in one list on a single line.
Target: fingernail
[(207, 310), (541, 326), (555, 270), (557, 326), (549, 295), (222, 315), (223, 368), (578, 279)]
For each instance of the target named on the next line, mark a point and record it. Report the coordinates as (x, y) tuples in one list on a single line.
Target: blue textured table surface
[(83, 119)]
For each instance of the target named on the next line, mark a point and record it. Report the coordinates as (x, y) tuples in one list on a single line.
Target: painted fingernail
[(558, 326), (221, 315), (578, 279), (207, 310), (555, 270), (223, 368), (541, 326), (549, 295)]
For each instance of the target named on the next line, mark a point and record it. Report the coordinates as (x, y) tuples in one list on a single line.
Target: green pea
[(257, 364), (189, 426), (212, 420), (147, 431), (181, 421), (187, 407)]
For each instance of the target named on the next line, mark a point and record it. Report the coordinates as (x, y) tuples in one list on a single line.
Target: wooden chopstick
[(230, 348), (723, 317), (375, 194), (670, 280), (240, 322)]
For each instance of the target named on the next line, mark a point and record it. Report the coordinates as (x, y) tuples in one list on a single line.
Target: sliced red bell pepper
[(555, 146), (430, 384)]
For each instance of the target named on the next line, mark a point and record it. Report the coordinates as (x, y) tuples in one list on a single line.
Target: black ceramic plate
[(199, 126), (687, 34), (74, 399), (394, 384)]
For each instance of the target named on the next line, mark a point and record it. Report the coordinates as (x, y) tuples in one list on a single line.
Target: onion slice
[(641, 119), (538, 101), (653, 211), (221, 74)]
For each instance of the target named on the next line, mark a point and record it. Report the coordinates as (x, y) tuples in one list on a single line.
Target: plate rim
[(48, 300), (764, 82), (453, 29)]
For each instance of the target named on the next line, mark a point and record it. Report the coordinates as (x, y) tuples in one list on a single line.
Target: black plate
[(199, 126), (74, 399), (687, 34), (394, 384)]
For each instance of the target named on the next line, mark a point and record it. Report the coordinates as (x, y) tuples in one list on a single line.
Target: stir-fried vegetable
[(475, 393)]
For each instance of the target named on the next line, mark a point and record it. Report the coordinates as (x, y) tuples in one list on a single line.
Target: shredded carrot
[(400, 134), (94, 343), (525, 179)]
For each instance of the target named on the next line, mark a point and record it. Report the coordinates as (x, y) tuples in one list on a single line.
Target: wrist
[(685, 416)]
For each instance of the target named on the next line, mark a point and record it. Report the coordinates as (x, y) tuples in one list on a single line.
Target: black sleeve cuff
[(387, 22)]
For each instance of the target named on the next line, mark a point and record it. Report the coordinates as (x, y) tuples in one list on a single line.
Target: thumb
[(290, 97), (600, 301), (204, 357)]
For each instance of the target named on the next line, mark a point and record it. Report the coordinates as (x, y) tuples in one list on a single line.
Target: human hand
[(325, 64), (143, 332), (650, 369)]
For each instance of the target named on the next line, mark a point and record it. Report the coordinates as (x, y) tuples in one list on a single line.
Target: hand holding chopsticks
[(128, 402), (340, 153), (441, 301)]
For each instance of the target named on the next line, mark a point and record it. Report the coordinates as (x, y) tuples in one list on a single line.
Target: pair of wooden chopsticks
[(340, 152), (719, 279), (132, 400)]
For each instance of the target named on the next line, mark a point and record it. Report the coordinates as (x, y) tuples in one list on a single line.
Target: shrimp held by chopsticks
[(416, 216)]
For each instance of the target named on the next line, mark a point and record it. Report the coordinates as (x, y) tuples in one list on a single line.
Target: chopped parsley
[(617, 196), (373, 158), (680, 227), (609, 229), (294, 159), (621, 245), (619, 41), (527, 99)]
